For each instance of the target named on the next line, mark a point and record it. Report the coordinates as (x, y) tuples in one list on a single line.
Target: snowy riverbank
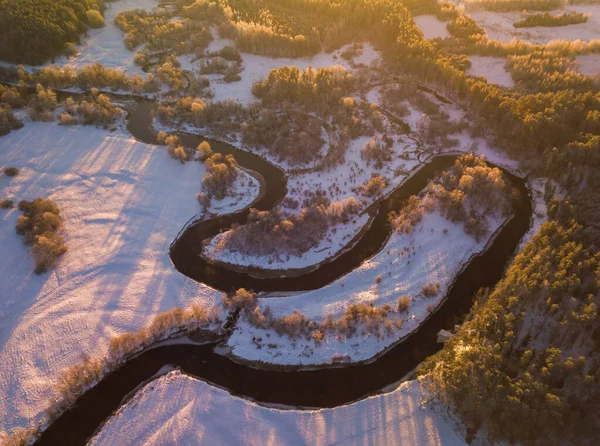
[(177, 409)]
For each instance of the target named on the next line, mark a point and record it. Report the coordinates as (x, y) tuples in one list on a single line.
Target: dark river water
[(324, 387)]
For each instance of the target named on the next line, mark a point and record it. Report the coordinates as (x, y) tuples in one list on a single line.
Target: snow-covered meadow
[(431, 26), (492, 68), (177, 409), (123, 203), (499, 26)]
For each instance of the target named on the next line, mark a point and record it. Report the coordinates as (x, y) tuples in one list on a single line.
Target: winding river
[(323, 387)]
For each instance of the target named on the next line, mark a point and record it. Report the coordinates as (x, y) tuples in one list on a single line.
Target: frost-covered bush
[(377, 151), (468, 192), (409, 215), (42, 104), (242, 299), (204, 151), (221, 173), (374, 187), (97, 109), (8, 121), (39, 225)]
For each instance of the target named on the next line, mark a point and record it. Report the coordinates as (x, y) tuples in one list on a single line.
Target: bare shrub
[(377, 151), (11, 171), (6, 204), (67, 119), (408, 216), (404, 304), (375, 186), (242, 299), (467, 192), (431, 289), (204, 151)]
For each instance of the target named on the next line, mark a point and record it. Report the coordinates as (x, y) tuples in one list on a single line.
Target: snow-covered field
[(431, 26), (499, 26), (406, 264), (256, 68), (177, 409), (492, 68), (589, 64), (123, 202)]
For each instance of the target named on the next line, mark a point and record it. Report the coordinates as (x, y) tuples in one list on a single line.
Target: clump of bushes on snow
[(90, 76), (11, 96), (404, 304), (221, 173), (431, 289), (204, 151), (358, 319), (548, 19), (374, 187), (40, 225), (293, 137), (174, 147), (242, 299), (10, 171), (277, 233), (97, 109), (8, 120), (468, 192), (377, 151), (42, 104)]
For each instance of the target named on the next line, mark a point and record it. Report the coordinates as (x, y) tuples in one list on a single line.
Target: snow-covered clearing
[(123, 202), (492, 68), (177, 409), (406, 264), (256, 68), (499, 26), (589, 64), (432, 27)]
